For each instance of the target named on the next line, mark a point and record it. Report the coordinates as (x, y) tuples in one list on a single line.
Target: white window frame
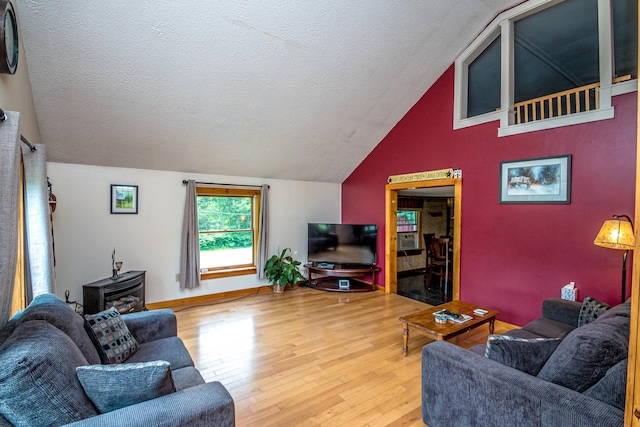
[(502, 26)]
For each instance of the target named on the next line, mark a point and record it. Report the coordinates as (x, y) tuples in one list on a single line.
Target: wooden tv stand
[(329, 278)]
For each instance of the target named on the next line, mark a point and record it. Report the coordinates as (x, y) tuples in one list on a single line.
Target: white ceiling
[(292, 89)]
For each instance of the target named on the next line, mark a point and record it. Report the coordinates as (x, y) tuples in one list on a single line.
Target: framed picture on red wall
[(537, 180)]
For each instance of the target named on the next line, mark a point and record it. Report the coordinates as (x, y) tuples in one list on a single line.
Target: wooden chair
[(428, 247), (440, 262)]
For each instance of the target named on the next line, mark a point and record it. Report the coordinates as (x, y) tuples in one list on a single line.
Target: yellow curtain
[(19, 300)]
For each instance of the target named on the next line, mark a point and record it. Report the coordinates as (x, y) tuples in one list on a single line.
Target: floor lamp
[(618, 234)]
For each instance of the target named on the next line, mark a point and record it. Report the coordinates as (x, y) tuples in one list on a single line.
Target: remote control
[(480, 311)]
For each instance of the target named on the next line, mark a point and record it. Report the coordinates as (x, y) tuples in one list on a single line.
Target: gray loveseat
[(41, 347), (580, 381)]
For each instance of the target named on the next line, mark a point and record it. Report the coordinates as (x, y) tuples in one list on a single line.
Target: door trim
[(391, 230)]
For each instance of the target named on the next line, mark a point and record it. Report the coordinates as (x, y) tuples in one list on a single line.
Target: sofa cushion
[(170, 349), (587, 353), (591, 309), (38, 383), (612, 388), (623, 309), (526, 355), (112, 387), (52, 309), (547, 328), (186, 377), (110, 335)]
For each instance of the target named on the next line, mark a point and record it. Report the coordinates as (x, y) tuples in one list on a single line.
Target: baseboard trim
[(203, 299)]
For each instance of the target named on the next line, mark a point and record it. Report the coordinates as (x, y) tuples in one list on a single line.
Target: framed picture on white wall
[(124, 199)]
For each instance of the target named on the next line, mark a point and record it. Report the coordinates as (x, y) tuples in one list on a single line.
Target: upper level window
[(228, 227), (548, 63)]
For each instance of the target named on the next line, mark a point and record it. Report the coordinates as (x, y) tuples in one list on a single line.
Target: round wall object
[(8, 38)]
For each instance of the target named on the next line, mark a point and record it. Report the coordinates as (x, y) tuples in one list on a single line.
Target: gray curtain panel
[(39, 241), (9, 204), (190, 253), (263, 241)]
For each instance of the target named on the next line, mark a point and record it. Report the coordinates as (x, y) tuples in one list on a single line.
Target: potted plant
[(282, 270)]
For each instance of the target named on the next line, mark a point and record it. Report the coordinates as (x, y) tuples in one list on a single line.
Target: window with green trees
[(227, 223)]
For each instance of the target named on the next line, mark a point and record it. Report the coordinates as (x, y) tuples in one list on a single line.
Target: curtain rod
[(32, 148), (184, 181), (3, 117)]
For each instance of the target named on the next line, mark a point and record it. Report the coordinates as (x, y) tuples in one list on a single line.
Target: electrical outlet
[(177, 277)]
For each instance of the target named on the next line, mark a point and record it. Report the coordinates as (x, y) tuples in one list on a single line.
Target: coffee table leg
[(491, 322), (405, 339)]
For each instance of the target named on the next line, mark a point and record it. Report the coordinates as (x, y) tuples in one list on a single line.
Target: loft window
[(552, 65), (228, 228), (625, 35), (484, 81)]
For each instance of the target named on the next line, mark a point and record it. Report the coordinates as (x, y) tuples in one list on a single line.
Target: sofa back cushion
[(50, 308), (587, 353), (38, 382), (612, 389)]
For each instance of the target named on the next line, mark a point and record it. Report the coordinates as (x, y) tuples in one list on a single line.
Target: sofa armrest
[(462, 388), (204, 405), (146, 326), (562, 310)]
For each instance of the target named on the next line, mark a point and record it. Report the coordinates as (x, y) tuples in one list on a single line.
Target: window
[(228, 226), (407, 221), (548, 63)]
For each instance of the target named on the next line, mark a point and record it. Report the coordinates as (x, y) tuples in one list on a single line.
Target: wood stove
[(125, 293)]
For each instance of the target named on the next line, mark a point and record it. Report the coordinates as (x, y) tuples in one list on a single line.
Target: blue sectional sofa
[(51, 374), (552, 372)]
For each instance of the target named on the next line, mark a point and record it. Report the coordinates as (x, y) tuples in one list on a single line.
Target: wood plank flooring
[(313, 358)]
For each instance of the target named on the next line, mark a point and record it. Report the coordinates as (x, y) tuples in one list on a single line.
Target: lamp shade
[(615, 234)]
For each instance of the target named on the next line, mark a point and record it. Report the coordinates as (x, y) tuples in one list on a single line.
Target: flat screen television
[(346, 244)]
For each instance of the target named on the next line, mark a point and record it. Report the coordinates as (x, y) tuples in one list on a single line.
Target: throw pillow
[(591, 309), (526, 355), (38, 383), (110, 336), (112, 387), (587, 353)]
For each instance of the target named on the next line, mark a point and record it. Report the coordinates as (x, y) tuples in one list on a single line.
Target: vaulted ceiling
[(294, 89)]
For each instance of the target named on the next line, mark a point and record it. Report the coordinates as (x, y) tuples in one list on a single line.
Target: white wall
[(85, 232)]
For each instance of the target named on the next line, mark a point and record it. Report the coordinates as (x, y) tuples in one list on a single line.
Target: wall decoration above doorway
[(423, 176), (124, 199), (537, 180)]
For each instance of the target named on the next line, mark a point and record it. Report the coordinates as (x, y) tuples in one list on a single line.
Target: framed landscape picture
[(539, 180), (124, 199)]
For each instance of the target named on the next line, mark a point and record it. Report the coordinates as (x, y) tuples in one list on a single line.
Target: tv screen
[(351, 244)]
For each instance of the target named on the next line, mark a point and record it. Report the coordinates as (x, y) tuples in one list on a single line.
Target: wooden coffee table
[(425, 322)]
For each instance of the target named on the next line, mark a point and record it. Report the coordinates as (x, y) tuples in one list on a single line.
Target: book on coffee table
[(454, 317)]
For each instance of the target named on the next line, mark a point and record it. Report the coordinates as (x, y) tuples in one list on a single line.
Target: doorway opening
[(413, 210)]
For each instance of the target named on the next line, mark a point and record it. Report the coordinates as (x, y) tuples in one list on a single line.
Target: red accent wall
[(512, 256)]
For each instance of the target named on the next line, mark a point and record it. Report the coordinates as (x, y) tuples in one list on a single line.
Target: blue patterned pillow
[(526, 355), (112, 387), (591, 309), (110, 336)]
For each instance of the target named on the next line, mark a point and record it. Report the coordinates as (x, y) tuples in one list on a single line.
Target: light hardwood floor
[(313, 358)]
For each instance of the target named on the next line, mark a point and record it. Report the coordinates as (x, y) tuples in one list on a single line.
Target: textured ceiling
[(293, 89)]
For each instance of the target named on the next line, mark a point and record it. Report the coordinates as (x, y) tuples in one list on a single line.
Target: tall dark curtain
[(263, 241), (39, 241), (190, 254)]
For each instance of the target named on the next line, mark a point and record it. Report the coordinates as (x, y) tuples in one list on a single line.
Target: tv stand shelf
[(329, 278)]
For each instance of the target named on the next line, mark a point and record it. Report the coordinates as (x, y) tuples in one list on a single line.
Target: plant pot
[(278, 289)]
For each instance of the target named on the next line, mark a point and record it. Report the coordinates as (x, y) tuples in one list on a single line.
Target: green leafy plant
[(282, 269)]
